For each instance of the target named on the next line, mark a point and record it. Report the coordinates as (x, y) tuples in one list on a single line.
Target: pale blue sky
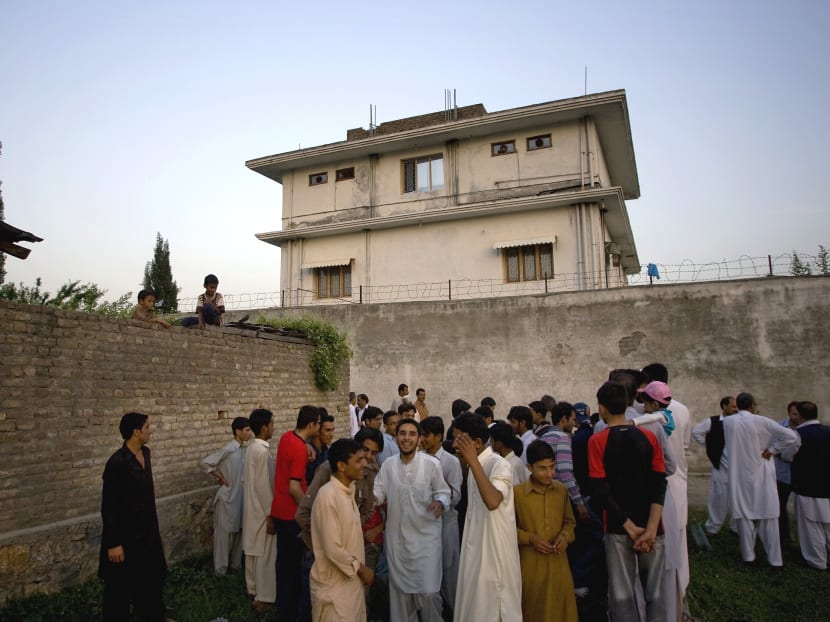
[(119, 120)]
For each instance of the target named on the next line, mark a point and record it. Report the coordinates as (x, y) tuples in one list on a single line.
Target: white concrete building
[(461, 203)]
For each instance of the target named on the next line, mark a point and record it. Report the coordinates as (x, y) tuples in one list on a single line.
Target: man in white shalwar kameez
[(339, 573), (412, 484), (707, 434), (751, 441), (259, 540), (225, 465), (489, 574)]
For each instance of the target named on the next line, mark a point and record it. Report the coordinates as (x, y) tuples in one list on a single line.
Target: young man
[(390, 423), (413, 487), (506, 444), (210, 306), (362, 405), (522, 421), (545, 524), (751, 440), (432, 437), (402, 397), (629, 487), (225, 466), (146, 308), (558, 436), (289, 488), (490, 580), (354, 420), (489, 403), (339, 574), (812, 487), (783, 479), (540, 414), (372, 417), (258, 533), (420, 404), (319, 444), (709, 433), (132, 562)]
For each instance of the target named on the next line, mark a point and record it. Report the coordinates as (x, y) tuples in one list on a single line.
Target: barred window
[(344, 173), (334, 281), (528, 263), (503, 148), (538, 142), (315, 179), (423, 174)]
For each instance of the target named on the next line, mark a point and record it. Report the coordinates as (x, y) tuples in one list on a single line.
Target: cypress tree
[(158, 276)]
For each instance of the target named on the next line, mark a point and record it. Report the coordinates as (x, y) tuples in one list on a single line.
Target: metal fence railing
[(743, 267)]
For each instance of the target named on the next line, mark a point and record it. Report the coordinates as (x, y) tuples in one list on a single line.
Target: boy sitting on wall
[(146, 308)]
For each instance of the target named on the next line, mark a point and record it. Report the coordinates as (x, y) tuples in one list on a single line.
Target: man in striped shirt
[(558, 436)]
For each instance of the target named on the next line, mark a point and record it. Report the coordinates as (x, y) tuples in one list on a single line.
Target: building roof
[(9, 235), (608, 110)]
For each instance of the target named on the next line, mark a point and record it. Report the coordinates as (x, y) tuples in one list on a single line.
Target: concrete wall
[(768, 336), (66, 378)]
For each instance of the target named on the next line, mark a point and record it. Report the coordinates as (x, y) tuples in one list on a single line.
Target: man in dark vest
[(811, 486), (709, 433)]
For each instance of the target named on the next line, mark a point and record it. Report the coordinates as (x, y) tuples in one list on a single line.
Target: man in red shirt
[(289, 488)]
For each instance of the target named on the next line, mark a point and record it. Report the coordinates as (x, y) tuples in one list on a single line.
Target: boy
[(210, 306), (545, 524), (146, 308)]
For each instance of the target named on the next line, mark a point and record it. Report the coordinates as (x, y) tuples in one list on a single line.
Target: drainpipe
[(589, 155)]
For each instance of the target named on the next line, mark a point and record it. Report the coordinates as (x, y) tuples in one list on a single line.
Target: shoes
[(261, 606)]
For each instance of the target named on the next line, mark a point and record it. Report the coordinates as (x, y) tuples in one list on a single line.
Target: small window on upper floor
[(344, 173), (333, 281), (315, 179), (538, 142), (533, 262), (503, 148), (423, 174)]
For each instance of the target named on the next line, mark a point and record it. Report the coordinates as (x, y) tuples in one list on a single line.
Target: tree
[(158, 276), (71, 295), (822, 261), (2, 218), (798, 267)]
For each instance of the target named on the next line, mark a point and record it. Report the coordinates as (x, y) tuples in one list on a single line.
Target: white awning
[(326, 263), (549, 239)]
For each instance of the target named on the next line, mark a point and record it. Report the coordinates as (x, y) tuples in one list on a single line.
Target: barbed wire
[(687, 271)]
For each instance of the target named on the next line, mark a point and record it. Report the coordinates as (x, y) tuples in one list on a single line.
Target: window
[(344, 173), (538, 142), (334, 281), (529, 263), (423, 174), (503, 148), (315, 179)]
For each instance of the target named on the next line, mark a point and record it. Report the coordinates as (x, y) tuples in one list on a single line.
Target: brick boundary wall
[(67, 377)]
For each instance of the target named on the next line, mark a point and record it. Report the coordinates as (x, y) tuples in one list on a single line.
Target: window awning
[(548, 239), (327, 263)]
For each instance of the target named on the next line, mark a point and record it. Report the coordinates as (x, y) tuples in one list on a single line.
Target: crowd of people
[(552, 513)]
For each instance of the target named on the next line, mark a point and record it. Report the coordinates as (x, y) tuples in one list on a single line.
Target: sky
[(120, 120)]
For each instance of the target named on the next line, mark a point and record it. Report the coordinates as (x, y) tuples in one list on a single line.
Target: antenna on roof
[(450, 106), (373, 118), (586, 79)]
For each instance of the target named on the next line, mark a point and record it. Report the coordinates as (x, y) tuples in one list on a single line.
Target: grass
[(722, 590)]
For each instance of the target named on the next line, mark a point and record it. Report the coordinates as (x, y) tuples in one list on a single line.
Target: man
[(390, 423), (339, 574), (225, 466), (362, 405), (751, 440), (319, 444), (491, 582), (811, 486), (545, 524), (432, 437), (579, 442), (258, 534), (628, 477), (783, 479), (402, 398), (372, 417), (420, 404), (131, 562), (289, 488), (558, 436), (521, 420), (539, 413), (354, 419), (413, 487), (489, 403), (506, 444), (709, 433)]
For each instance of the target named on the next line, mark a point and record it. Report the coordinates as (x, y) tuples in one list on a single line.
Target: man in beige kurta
[(259, 540), (339, 573)]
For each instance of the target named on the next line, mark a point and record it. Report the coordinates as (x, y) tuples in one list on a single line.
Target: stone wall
[(769, 336), (67, 377)]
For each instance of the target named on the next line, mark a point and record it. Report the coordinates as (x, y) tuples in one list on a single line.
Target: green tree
[(822, 261), (71, 295), (798, 267), (158, 276)]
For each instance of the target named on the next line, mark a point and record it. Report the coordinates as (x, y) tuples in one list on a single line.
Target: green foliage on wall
[(331, 347), (71, 295)]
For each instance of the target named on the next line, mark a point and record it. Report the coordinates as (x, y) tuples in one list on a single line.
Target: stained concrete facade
[(768, 336), (352, 204)]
